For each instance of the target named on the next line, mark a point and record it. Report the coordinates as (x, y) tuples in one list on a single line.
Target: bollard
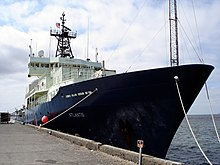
[(140, 145)]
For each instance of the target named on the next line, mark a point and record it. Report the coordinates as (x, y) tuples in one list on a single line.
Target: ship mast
[(174, 50), (63, 36)]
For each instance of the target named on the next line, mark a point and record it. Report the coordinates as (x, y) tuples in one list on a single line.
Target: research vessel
[(84, 98)]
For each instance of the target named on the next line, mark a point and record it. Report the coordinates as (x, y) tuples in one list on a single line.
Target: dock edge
[(110, 150)]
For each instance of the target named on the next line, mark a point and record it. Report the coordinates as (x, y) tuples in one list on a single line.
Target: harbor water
[(184, 148)]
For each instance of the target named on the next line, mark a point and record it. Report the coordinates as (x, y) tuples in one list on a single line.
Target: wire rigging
[(147, 45), (126, 31), (197, 29), (200, 59), (206, 86), (211, 111), (185, 45), (190, 28)]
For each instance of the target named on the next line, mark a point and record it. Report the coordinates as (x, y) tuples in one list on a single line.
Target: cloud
[(129, 34), (13, 54)]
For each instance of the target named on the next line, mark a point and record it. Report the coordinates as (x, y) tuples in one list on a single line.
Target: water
[(183, 147)]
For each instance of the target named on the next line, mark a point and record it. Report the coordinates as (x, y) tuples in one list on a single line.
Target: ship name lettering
[(77, 115), (78, 94)]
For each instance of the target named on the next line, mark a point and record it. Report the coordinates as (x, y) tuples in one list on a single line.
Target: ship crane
[(63, 36), (174, 50)]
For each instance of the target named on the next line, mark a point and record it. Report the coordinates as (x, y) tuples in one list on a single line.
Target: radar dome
[(41, 53)]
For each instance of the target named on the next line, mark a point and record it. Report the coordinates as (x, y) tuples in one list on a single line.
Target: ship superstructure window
[(45, 65)]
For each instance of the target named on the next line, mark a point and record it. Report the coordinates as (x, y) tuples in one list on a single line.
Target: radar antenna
[(174, 50), (63, 36)]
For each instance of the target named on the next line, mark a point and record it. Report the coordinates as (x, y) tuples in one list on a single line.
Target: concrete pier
[(22, 144)]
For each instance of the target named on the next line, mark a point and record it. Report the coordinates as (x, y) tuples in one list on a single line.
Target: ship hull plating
[(126, 107)]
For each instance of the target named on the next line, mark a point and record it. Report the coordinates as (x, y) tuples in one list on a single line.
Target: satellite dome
[(41, 53)]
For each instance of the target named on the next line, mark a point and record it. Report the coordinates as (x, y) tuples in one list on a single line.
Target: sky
[(130, 35)]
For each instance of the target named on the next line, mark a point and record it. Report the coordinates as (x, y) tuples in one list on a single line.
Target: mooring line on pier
[(84, 98), (211, 111), (187, 120)]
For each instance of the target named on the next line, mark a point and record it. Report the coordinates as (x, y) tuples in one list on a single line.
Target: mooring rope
[(211, 111), (70, 107), (187, 120)]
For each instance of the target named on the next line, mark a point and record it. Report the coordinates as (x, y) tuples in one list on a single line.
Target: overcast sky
[(129, 34)]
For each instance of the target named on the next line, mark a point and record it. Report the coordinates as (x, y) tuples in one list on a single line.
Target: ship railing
[(76, 76), (41, 99), (55, 32), (72, 34)]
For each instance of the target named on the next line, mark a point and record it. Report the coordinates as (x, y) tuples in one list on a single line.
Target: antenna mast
[(31, 51), (87, 49), (174, 50), (63, 36)]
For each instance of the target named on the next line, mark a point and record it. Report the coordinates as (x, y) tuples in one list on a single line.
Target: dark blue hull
[(126, 107)]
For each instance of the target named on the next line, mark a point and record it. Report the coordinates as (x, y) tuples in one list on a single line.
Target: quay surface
[(21, 144)]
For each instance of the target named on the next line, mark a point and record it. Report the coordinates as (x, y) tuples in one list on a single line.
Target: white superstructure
[(54, 72), (61, 70)]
